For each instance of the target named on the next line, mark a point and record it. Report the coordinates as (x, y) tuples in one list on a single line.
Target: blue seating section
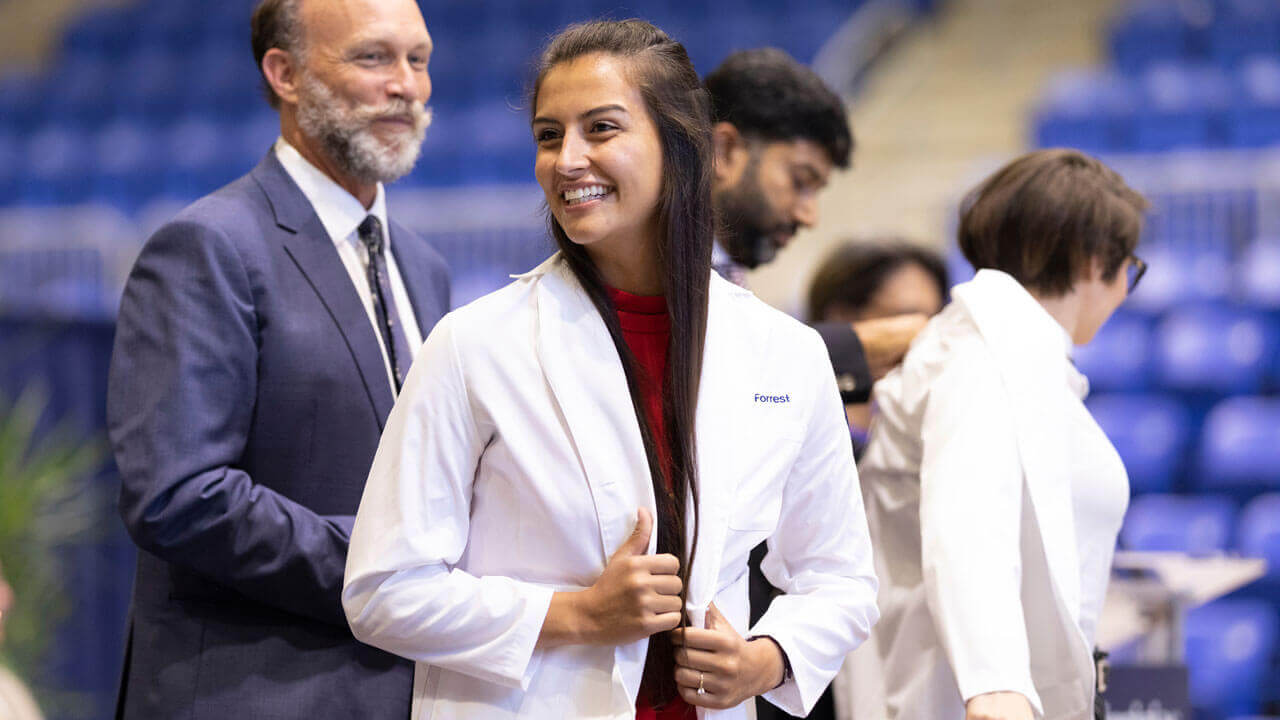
[(1199, 525), (1152, 434), (1229, 653), (136, 86), (1185, 75)]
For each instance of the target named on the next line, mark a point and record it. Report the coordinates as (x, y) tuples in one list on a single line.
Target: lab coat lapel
[(721, 367), (584, 372), (582, 367), (1033, 369)]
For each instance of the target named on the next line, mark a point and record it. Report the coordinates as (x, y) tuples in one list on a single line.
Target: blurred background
[(115, 114)]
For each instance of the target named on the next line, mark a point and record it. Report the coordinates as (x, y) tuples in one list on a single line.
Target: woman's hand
[(636, 596), (998, 706), (727, 668)]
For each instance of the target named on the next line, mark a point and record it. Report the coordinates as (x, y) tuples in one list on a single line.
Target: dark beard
[(747, 221)]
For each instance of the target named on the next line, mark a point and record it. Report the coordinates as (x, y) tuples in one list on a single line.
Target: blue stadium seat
[(1254, 120), (1118, 359), (1229, 648), (10, 163), (80, 91), (1243, 28), (127, 167), (1240, 445), (1181, 107), (1214, 350), (106, 32), (21, 101), (1178, 276), (1086, 109), (1151, 433), (56, 166), (1258, 274), (1150, 31), (1259, 531), (1194, 524), (958, 268), (199, 158), (221, 82), (150, 84)]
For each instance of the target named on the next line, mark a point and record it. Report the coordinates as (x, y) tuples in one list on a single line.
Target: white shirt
[(994, 501), (341, 214)]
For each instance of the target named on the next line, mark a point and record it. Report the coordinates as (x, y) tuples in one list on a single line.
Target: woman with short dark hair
[(994, 498), (873, 279), (877, 278)]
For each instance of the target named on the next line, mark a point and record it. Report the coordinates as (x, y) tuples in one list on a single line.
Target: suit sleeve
[(403, 591), (971, 501), (820, 554), (180, 403), (848, 359)]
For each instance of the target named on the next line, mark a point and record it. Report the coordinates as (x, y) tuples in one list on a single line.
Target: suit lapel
[(308, 244), (415, 282)]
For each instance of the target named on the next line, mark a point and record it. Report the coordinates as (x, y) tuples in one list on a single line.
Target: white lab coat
[(512, 467), (968, 480)]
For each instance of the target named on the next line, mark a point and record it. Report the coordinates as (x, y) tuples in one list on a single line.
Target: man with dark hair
[(262, 338), (779, 131)]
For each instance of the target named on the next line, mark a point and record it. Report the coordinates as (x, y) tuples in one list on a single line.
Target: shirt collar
[(1008, 307), (339, 211)]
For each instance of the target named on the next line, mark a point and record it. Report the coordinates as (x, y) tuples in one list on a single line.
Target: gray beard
[(344, 133)]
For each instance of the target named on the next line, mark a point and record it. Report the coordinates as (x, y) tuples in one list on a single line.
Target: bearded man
[(261, 342)]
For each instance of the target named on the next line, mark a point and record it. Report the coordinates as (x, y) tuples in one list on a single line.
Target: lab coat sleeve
[(971, 499), (820, 553), (402, 591)]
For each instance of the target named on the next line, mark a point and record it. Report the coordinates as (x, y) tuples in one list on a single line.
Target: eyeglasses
[(1136, 269)]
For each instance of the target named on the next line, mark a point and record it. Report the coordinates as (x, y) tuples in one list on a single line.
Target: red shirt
[(646, 328)]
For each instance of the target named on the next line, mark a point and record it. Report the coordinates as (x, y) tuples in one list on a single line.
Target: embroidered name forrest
[(773, 398)]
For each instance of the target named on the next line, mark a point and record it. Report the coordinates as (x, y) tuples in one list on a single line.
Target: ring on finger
[(702, 690)]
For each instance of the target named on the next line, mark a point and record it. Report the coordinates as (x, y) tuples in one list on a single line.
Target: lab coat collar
[(1026, 345), (582, 368)]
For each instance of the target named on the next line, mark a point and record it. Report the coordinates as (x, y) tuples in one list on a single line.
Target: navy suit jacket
[(246, 397)]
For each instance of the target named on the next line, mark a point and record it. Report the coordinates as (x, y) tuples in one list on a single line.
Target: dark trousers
[(761, 594)]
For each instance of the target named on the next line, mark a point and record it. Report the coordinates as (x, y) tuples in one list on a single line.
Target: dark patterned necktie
[(384, 303)]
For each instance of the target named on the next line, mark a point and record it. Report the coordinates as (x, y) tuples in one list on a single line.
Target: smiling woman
[(559, 516)]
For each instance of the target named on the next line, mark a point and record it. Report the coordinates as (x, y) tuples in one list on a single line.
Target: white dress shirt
[(341, 214), (994, 501)]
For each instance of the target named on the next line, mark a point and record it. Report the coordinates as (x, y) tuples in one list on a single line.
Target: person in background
[(16, 702), (994, 497), (263, 336), (6, 601), (778, 134), (866, 280), (564, 479)]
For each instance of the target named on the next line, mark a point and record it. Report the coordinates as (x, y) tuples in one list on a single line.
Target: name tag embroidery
[(772, 399)]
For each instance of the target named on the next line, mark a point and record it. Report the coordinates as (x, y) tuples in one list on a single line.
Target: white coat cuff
[(516, 668), (973, 687), (790, 695)]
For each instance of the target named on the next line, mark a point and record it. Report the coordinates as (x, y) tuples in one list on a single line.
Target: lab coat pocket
[(757, 499)]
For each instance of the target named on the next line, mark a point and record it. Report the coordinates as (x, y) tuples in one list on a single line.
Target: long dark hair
[(681, 111)]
